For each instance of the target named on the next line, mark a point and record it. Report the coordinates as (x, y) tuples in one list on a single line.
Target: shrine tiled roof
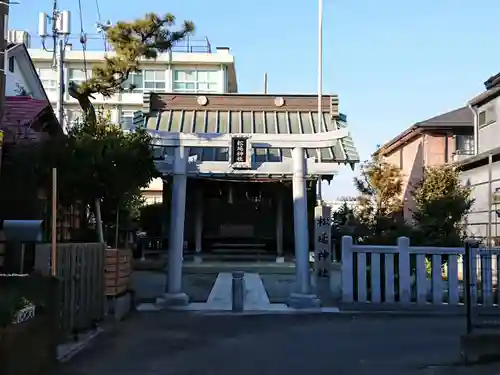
[(239, 116)]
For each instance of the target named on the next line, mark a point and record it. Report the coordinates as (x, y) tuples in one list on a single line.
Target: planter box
[(118, 270), (25, 314)]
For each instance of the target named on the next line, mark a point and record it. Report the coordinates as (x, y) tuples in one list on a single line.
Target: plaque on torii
[(240, 151)]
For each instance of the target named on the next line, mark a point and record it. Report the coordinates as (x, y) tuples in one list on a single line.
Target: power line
[(98, 10), (83, 39)]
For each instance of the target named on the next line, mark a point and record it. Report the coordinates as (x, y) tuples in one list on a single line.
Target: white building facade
[(185, 70), (482, 171)]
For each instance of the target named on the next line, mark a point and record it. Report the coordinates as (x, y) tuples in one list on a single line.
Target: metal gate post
[(468, 285)]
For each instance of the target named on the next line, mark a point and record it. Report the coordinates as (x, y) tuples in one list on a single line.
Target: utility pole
[(60, 31), (4, 31)]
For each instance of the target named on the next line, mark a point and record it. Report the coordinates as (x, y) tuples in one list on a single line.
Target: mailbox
[(20, 234), (23, 230)]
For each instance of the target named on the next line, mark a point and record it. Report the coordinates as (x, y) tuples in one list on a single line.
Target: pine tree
[(143, 38)]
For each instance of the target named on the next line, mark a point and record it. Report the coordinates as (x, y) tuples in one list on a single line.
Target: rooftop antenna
[(265, 83)]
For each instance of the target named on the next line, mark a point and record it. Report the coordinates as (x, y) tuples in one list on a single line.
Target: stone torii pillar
[(302, 297), (174, 296)]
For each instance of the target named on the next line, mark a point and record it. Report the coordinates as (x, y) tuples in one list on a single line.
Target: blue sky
[(392, 63)]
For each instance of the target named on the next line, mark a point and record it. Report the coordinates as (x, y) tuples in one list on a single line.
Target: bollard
[(238, 290)]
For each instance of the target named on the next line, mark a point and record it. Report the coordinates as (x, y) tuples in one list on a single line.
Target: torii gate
[(241, 164)]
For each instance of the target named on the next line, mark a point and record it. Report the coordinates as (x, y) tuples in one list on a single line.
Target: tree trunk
[(87, 107), (98, 221), (117, 225)]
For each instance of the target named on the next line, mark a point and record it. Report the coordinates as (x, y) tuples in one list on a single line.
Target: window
[(482, 118), (194, 80), (134, 83), (487, 116), (261, 155), (210, 153), (154, 80), (464, 144), (48, 77), (401, 158), (78, 75), (11, 64), (146, 80), (127, 119)]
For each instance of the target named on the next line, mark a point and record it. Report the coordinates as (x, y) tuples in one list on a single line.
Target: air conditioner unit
[(19, 36)]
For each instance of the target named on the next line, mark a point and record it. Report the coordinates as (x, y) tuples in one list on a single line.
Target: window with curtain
[(196, 80), (78, 75), (48, 77), (154, 80), (135, 82)]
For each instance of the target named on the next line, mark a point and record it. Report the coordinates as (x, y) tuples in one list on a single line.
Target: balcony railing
[(95, 42), (460, 155)]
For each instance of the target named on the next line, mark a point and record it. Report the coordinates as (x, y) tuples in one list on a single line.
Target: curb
[(69, 350)]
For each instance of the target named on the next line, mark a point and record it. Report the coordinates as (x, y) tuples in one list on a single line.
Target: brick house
[(442, 139)]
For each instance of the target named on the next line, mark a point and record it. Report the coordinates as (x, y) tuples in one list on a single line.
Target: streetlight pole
[(320, 86)]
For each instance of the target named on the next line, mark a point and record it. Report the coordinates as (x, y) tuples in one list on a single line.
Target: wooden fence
[(80, 269), (410, 276), (118, 269)]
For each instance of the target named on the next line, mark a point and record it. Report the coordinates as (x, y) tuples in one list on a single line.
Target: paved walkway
[(187, 344)]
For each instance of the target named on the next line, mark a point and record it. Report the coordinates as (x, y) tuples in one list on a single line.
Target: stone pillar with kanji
[(322, 237)]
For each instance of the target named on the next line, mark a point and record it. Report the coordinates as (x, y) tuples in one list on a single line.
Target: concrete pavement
[(181, 344)]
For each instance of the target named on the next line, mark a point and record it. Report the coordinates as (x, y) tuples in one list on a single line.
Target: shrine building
[(242, 171)]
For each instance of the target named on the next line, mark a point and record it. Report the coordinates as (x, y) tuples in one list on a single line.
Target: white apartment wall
[(477, 219), (488, 133), (220, 61), (124, 101)]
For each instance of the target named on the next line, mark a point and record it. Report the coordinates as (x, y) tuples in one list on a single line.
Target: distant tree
[(130, 41), (441, 205), (380, 188), (380, 203)]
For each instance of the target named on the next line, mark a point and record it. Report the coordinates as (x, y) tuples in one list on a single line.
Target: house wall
[(488, 132), (424, 150), (477, 220), (15, 80)]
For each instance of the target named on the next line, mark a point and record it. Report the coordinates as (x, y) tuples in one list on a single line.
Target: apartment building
[(442, 139), (192, 66)]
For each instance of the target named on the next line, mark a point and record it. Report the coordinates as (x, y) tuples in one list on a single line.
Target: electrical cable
[(83, 39), (102, 32)]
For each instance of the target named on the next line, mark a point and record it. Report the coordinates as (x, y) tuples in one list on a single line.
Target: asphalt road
[(181, 344)]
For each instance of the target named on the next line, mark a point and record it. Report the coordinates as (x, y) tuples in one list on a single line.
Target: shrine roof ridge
[(153, 102)]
